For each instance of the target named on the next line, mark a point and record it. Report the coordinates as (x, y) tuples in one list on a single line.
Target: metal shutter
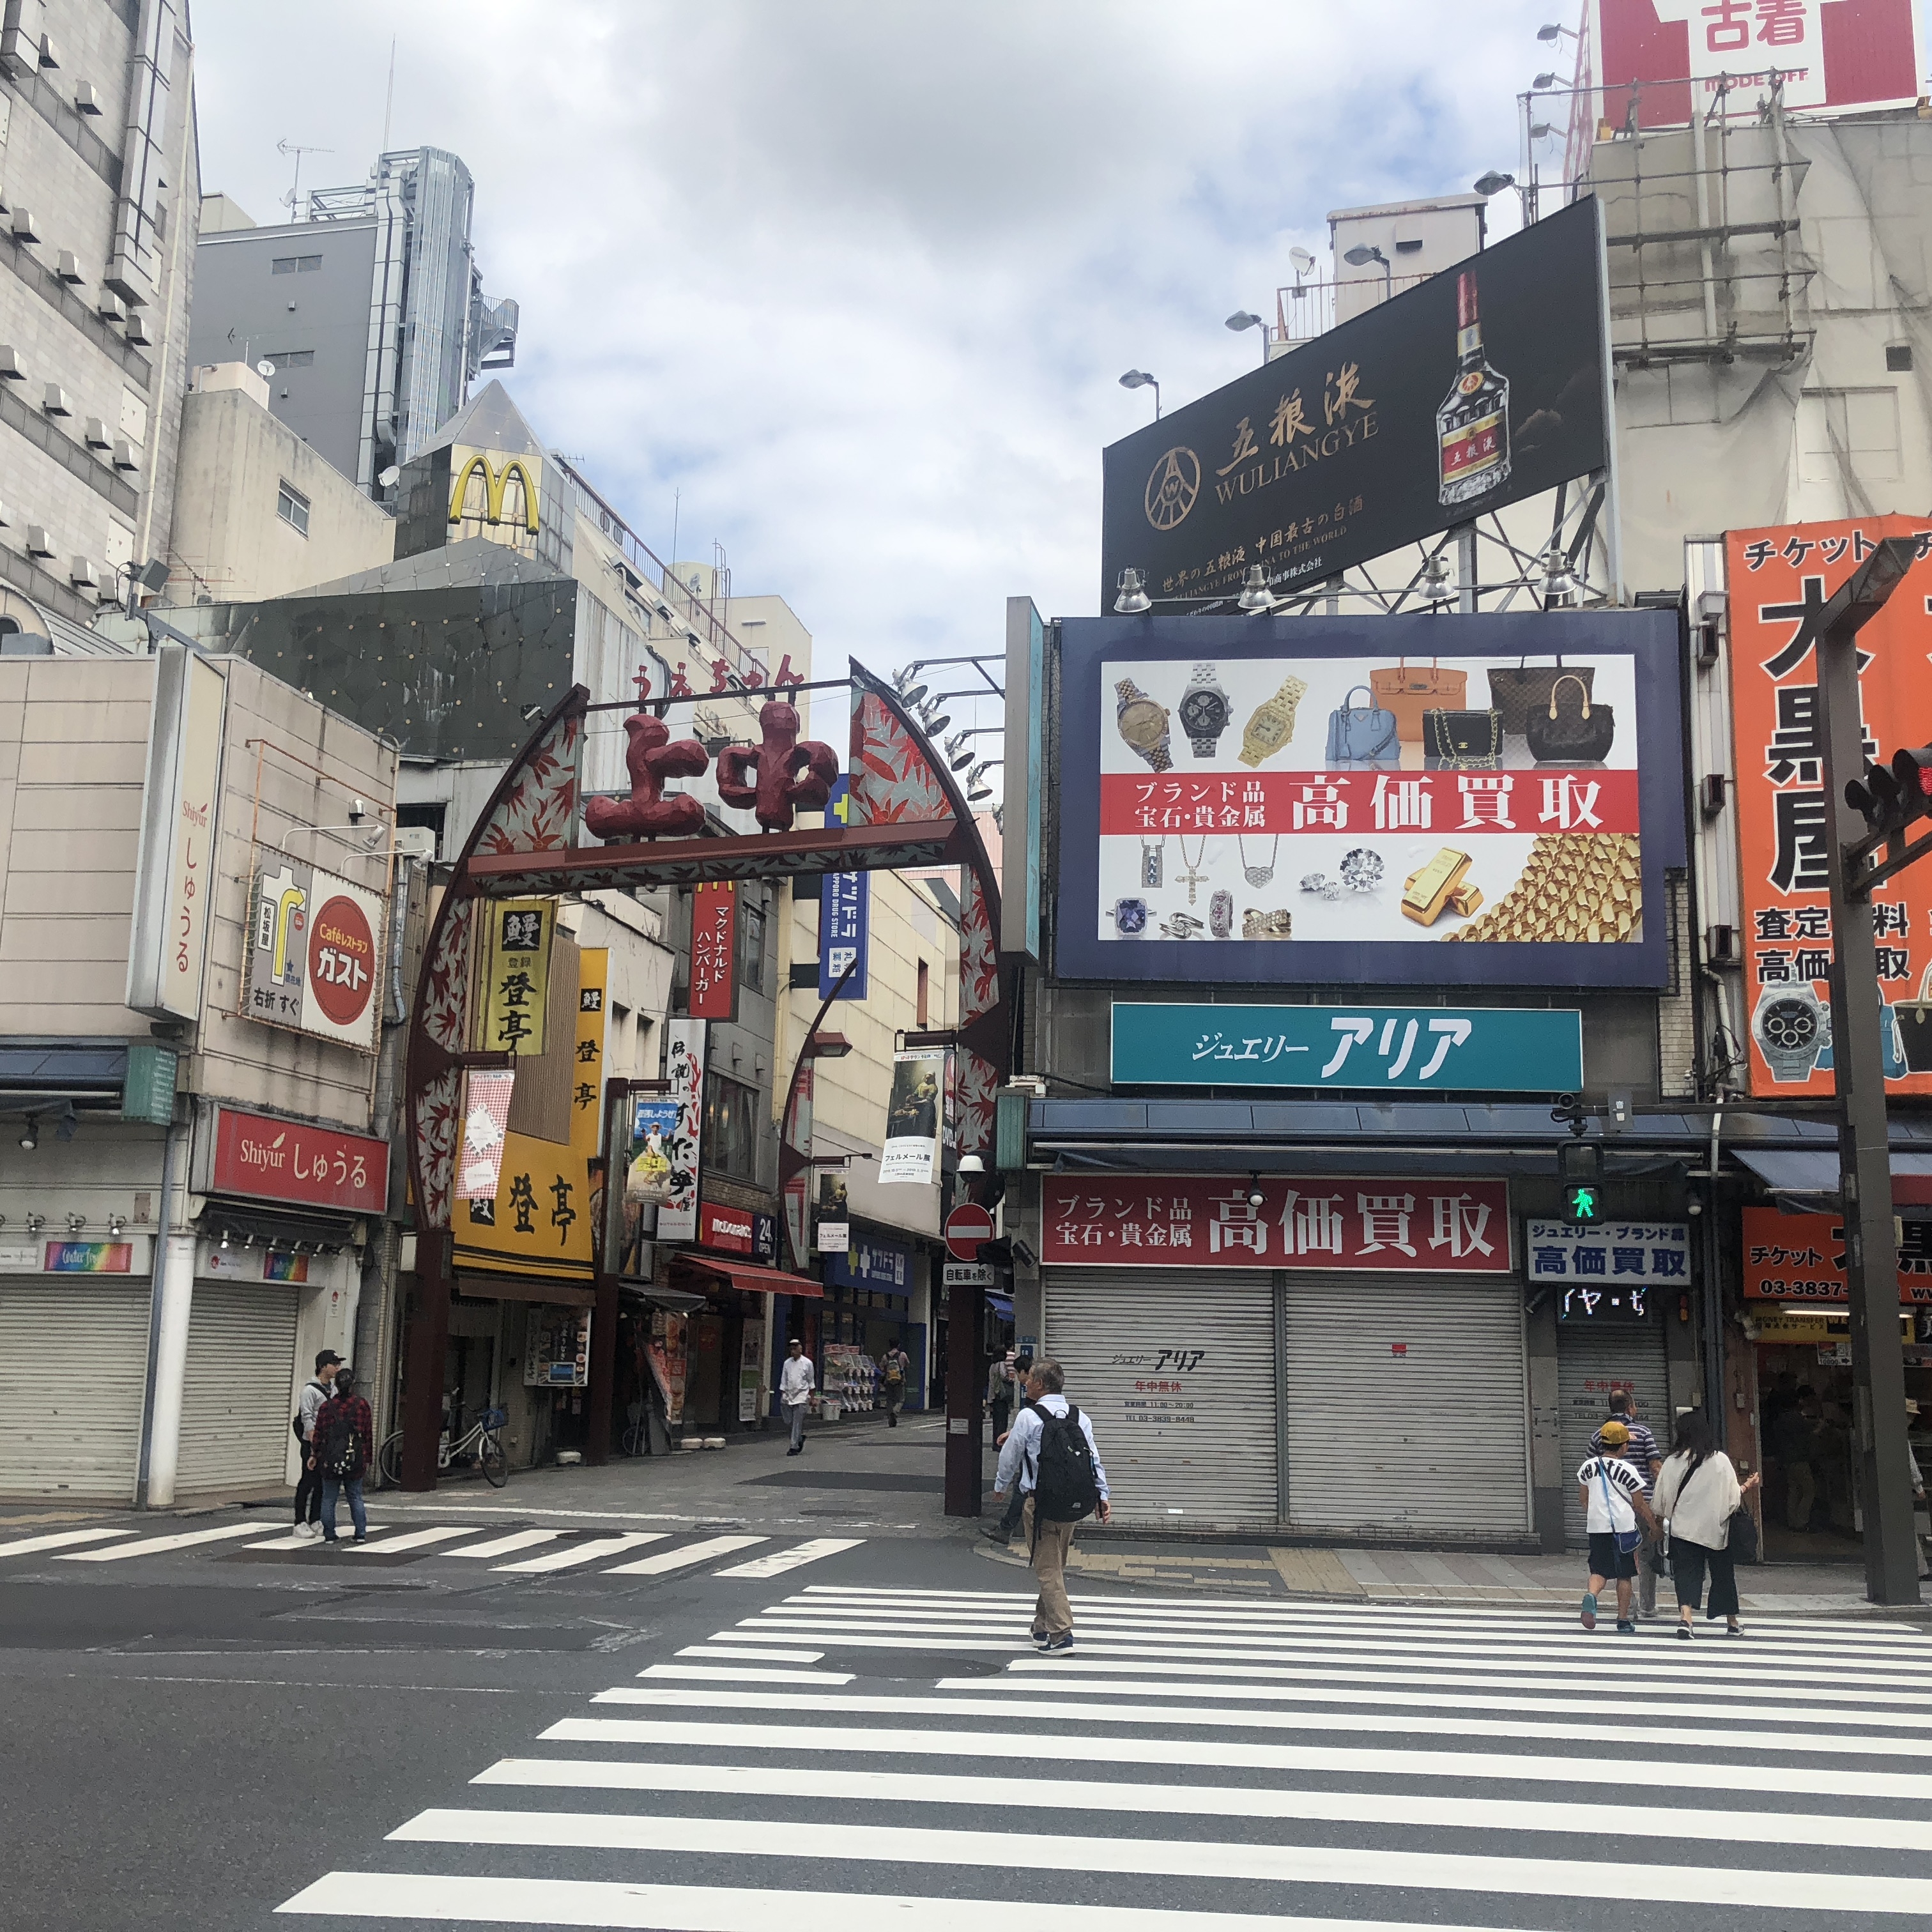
[(73, 1368), (240, 1389), (1590, 1361), (1199, 1457), (1429, 1441)]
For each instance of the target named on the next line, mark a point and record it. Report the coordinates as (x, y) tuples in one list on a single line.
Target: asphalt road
[(528, 1713)]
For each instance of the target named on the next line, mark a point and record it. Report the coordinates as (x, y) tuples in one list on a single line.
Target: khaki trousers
[(1052, 1612)]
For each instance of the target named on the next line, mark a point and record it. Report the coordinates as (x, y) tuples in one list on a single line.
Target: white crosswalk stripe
[(60, 1539), (668, 1560), (158, 1546), (572, 1555), (1487, 1771), (777, 1564)]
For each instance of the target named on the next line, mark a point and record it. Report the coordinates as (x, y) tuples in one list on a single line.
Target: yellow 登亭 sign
[(514, 1005)]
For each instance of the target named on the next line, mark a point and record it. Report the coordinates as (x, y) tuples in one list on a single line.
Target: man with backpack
[(893, 1366), (308, 1485), (1050, 1453), (343, 1448)]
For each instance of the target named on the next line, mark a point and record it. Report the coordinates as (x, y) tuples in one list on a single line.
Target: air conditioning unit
[(55, 401), (10, 368), (1721, 947), (82, 574), (6, 519), (126, 456), (87, 98), (22, 223), (108, 307), (67, 266), (136, 330), (39, 542), (94, 433), (50, 53), (416, 842)]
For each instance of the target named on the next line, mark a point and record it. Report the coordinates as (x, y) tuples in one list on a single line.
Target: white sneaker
[(309, 1530)]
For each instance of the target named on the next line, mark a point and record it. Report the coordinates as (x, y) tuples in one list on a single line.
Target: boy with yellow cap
[(1613, 1502)]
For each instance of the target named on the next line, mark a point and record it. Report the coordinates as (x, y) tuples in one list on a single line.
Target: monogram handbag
[(1564, 733), (1409, 694), (1515, 693), (1362, 739), (1462, 741), (1911, 1020)]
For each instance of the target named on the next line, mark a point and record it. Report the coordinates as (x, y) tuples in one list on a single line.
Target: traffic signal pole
[(1878, 1357)]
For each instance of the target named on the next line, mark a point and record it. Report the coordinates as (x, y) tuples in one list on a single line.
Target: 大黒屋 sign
[(314, 957), (1780, 580), (1491, 1049), (1481, 386), (1340, 801), (1460, 1227), (1802, 1257)]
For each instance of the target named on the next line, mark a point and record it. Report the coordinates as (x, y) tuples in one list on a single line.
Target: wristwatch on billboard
[(1273, 724), (1790, 1025), (1205, 710), (1143, 725)]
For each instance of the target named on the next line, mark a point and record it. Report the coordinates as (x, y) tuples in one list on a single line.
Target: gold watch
[(1273, 725), (1142, 724)]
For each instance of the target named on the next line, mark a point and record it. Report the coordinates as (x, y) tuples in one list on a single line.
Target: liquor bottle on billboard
[(1472, 426)]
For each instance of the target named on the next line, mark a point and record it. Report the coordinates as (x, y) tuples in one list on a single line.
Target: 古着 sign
[(1500, 1049), (1320, 1222)]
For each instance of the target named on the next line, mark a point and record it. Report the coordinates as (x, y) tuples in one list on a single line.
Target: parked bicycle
[(480, 1445)]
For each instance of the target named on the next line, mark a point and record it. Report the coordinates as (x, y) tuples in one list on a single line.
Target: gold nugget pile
[(1588, 886)]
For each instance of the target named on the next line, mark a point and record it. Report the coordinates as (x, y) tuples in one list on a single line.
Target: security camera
[(358, 811)]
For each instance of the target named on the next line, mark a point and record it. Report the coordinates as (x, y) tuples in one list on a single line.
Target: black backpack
[(294, 1420), (338, 1450), (1064, 1490)]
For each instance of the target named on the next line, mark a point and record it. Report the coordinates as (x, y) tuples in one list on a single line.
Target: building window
[(306, 264), (752, 945), (291, 358), (920, 1008), (1898, 357), (730, 1126), (292, 506), (282, 265)]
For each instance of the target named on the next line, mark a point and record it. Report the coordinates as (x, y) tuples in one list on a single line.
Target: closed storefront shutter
[(1591, 1361), (1408, 1407), (1175, 1369), (73, 1365), (240, 1389)]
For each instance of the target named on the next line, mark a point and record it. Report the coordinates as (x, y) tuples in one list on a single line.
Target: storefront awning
[(746, 1275), (676, 1301), (1811, 1174), (526, 1288)]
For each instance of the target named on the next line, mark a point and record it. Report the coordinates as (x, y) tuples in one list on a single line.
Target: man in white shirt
[(1614, 1503), (798, 1385)]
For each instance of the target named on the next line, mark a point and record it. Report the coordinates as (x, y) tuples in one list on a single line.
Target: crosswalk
[(533, 1552), (839, 1760)]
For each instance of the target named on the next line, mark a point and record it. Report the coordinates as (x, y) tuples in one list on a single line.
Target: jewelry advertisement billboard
[(1344, 800)]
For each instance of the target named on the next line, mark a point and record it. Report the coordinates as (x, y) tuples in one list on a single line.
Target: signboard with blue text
[(844, 917), (1445, 1049), (871, 1263), (1607, 1271)]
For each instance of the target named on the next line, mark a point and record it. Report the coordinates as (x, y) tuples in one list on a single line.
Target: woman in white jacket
[(1697, 1493)]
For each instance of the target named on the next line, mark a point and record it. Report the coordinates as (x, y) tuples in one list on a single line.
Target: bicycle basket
[(495, 1418)]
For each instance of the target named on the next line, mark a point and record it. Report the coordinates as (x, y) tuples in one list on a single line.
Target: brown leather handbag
[(1409, 694)]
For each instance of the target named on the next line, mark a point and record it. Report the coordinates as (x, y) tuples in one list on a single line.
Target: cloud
[(855, 278)]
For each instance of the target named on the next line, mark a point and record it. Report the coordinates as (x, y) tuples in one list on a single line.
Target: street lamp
[(1133, 598), (1256, 599), (1551, 33), (1139, 378), (1542, 81), (1362, 254), (1243, 318)]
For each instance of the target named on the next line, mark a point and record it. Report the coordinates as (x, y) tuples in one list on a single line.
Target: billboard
[(314, 961), (1779, 579), (684, 1047), (1488, 800), (1830, 53), (913, 1115), (1480, 387), (1801, 1258)]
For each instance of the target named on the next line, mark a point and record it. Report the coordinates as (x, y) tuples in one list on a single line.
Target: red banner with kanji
[(1458, 1227), (714, 933), (1780, 581)]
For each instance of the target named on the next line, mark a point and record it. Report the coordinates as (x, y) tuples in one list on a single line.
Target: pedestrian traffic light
[(1889, 797), (1579, 1166)]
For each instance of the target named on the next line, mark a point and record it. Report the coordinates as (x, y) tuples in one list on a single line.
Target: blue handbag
[(1362, 739)]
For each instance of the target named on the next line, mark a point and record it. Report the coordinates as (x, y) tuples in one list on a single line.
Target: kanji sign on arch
[(1323, 1222), (1780, 580)]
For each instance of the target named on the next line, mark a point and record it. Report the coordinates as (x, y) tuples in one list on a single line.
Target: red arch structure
[(528, 842)]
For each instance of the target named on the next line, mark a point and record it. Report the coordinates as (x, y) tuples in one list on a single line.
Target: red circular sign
[(966, 1227), (342, 972)]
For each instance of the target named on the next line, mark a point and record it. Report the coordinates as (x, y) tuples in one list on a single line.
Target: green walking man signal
[(1579, 1166), (1581, 1204)]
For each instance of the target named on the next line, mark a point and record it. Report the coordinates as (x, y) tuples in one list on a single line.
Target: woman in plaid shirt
[(344, 1434)]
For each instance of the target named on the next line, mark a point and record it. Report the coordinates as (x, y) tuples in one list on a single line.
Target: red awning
[(746, 1275)]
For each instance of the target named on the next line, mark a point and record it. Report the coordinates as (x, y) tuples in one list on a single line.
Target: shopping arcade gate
[(535, 838)]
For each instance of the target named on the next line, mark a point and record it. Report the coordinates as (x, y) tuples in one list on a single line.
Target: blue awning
[(1002, 1305), (1811, 1175)]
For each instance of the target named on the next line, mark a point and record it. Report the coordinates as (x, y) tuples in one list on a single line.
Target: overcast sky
[(858, 277)]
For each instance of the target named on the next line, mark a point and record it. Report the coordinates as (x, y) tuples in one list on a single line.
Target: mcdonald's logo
[(523, 506)]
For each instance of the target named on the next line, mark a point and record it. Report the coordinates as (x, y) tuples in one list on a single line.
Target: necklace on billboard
[(1192, 873), (1152, 859), (1258, 875)]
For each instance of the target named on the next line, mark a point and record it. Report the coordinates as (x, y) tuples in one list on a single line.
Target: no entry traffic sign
[(966, 1227)]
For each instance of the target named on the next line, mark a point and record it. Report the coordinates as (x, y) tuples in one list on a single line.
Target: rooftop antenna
[(389, 99), (293, 200)]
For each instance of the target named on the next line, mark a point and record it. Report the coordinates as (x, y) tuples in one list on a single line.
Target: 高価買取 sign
[(1490, 1049)]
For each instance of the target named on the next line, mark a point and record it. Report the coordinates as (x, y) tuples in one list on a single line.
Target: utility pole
[(1865, 1162)]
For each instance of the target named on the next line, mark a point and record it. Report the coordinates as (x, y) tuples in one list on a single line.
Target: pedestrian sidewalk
[(1406, 1576)]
